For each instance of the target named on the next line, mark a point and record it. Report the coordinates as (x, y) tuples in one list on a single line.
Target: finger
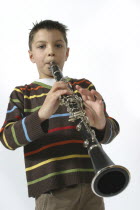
[(86, 94), (80, 89), (101, 103), (60, 93), (60, 86), (91, 98), (89, 95), (96, 94), (84, 97)]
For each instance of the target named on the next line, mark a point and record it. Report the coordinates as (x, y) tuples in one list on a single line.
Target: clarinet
[(109, 179)]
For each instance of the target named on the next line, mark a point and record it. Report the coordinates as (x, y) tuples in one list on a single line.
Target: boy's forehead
[(44, 34)]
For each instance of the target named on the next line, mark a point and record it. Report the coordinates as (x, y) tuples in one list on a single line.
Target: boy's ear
[(67, 53), (31, 56)]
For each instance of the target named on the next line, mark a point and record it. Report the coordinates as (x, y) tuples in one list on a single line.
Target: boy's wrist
[(42, 116), (100, 125)]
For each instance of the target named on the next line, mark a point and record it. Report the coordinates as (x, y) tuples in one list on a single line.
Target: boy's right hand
[(51, 102)]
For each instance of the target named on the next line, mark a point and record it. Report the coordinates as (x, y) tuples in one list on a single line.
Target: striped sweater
[(53, 150)]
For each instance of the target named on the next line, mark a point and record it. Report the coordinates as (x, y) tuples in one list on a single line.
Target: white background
[(104, 39)]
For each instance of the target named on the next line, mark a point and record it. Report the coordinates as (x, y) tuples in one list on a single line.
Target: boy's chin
[(49, 75)]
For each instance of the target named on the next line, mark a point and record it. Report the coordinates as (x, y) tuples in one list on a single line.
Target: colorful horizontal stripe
[(61, 128), (30, 89), (56, 159), (16, 101), (18, 90), (54, 145), (33, 109), (35, 96), (81, 81), (43, 85), (60, 173), (60, 115)]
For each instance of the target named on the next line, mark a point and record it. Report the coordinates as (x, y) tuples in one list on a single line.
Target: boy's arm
[(19, 130), (106, 128)]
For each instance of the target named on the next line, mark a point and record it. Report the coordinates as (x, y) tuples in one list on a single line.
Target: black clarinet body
[(109, 179)]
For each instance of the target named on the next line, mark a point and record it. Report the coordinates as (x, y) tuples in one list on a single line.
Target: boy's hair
[(48, 25)]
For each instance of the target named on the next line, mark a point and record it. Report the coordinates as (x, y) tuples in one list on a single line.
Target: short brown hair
[(49, 25)]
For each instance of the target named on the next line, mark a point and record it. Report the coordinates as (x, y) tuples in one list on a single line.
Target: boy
[(58, 167)]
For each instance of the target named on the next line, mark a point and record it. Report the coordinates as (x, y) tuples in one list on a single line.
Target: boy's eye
[(41, 46), (59, 45)]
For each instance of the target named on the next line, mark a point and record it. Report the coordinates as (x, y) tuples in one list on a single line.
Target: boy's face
[(47, 46)]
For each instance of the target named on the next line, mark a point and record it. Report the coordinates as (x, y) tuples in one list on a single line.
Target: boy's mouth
[(51, 61)]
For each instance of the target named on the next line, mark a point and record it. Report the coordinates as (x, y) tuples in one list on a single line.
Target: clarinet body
[(109, 179)]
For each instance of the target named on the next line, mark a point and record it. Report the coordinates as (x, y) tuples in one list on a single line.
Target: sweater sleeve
[(19, 130), (111, 129)]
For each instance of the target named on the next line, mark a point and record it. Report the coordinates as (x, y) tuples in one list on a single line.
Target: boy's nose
[(51, 54), (51, 51)]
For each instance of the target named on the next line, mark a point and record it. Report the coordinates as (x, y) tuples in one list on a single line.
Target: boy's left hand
[(94, 107)]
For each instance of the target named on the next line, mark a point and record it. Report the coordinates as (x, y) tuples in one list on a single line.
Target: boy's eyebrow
[(60, 40)]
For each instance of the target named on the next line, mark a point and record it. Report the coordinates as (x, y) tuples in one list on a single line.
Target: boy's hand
[(94, 107), (51, 102)]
